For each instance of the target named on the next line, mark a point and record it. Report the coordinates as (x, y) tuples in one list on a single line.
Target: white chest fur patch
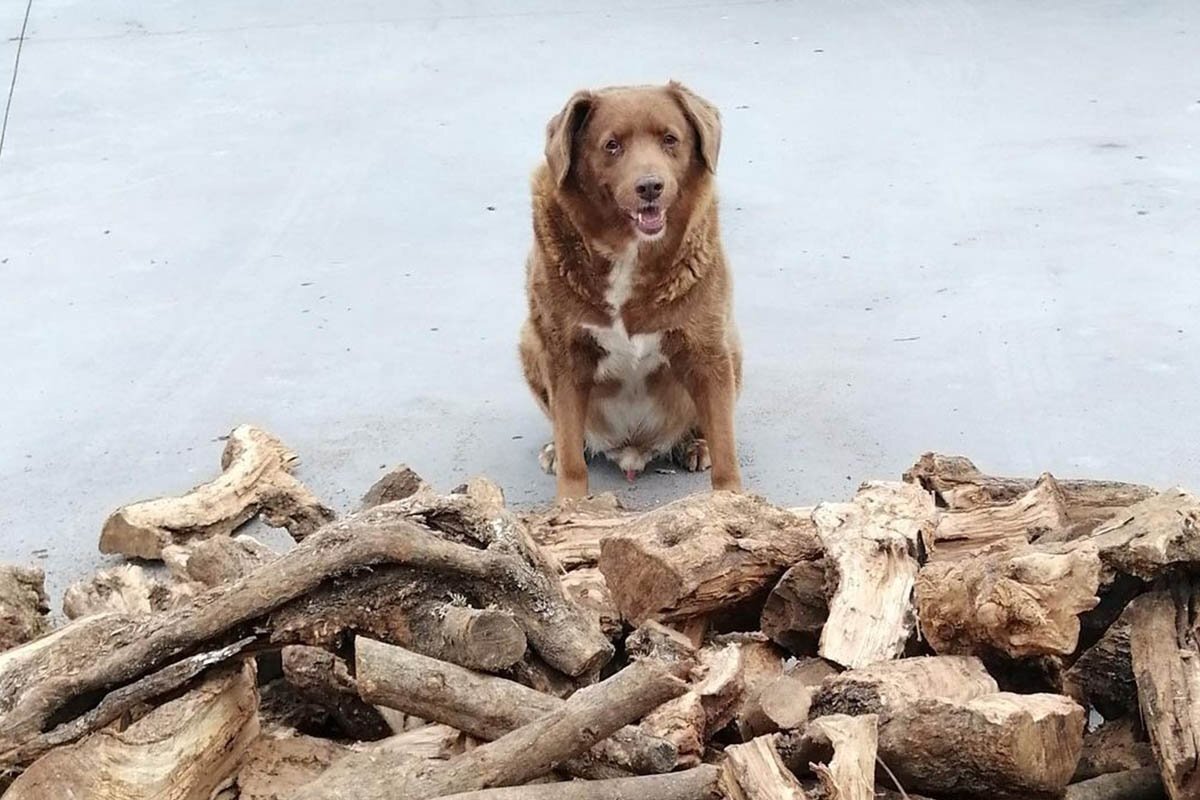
[(631, 412)]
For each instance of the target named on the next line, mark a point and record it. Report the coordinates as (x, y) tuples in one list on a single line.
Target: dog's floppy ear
[(560, 134), (704, 118)]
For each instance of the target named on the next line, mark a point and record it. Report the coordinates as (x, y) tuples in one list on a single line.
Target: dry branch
[(590, 715), (23, 605), (1020, 603), (700, 554), (701, 783), (871, 546), (487, 707)]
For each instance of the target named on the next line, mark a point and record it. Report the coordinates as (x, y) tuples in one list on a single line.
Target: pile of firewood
[(950, 635)]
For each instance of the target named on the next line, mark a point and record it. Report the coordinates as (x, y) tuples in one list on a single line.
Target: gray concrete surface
[(965, 226)]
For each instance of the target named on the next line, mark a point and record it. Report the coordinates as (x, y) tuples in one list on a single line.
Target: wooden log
[(996, 746), (215, 561), (889, 687), (658, 642), (1102, 676), (183, 750), (322, 678), (701, 783), (850, 774), (1118, 745), (1137, 784), (700, 554), (589, 716), (754, 771), (1039, 514), (1166, 667), (762, 663), (1147, 539), (126, 589), (587, 589), (571, 532), (39, 682), (711, 702), (23, 605), (1019, 603), (871, 546), (485, 706), (276, 766), (784, 702), (796, 609), (256, 479), (399, 483), (959, 484)]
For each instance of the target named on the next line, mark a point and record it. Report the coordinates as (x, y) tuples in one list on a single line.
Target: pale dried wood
[(1118, 745), (1102, 676), (221, 559), (701, 783), (754, 771), (571, 531), (871, 546), (850, 774), (399, 483), (587, 588), (889, 687), (256, 479), (785, 702), (590, 715), (276, 766), (321, 677), (126, 589), (23, 605), (1166, 667), (487, 707), (796, 609), (711, 702), (1152, 536), (1019, 603), (700, 554), (1039, 514), (183, 750)]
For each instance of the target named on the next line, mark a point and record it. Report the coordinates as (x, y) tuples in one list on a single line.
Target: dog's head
[(632, 151)]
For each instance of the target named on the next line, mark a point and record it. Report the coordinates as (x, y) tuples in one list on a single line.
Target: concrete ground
[(963, 226)]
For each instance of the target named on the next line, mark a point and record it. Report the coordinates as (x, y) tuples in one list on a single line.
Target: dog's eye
[(612, 146), (670, 139)]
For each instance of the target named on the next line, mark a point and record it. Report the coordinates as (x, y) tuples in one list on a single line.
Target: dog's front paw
[(547, 460), (692, 455)]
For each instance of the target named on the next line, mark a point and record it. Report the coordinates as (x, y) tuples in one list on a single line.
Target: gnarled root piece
[(256, 479), (1038, 515)]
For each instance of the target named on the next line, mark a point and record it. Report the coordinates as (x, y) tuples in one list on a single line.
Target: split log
[(889, 687), (958, 484), (399, 483), (850, 774), (125, 589), (589, 716), (216, 561), (871, 546), (1166, 667), (1148, 538), (1103, 675), (1021, 603), (23, 605), (587, 588), (796, 609), (39, 682), (487, 707), (701, 783), (322, 678), (996, 746), (700, 554), (762, 663), (183, 750), (1119, 745), (710, 704), (1038, 515), (256, 479), (655, 641), (754, 771), (571, 532), (1138, 784), (784, 702), (276, 766)]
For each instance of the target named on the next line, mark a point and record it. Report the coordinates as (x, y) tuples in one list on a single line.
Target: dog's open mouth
[(649, 220)]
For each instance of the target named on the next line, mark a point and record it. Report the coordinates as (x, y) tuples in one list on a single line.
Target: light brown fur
[(606, 153)]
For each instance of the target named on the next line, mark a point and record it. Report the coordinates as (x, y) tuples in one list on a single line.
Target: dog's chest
[(628, 359)]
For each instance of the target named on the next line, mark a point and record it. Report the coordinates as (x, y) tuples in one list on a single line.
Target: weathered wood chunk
[(23, 605)]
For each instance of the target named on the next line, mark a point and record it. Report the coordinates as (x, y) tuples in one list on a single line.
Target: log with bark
[(711, 702), (796, 609), (785, 702), (322, 678), (1037, 515), (590, 715), (959, 484), (183, 750), (700, 554), (754, 771), (871, 545), (1019, 603), (256, 480), (1118, 745), (700, 783), (1102, 676), (1148, 539), (23, 605), (587, 588), (889, 687), (1166, 668), (488, 707)]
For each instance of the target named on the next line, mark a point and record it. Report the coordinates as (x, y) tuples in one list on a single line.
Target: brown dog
[(630, 346)]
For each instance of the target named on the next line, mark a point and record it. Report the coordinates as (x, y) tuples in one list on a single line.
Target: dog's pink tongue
[(650, 220), (631, 475)]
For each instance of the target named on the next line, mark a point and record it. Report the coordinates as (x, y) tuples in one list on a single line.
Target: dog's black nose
[(649, 187)]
